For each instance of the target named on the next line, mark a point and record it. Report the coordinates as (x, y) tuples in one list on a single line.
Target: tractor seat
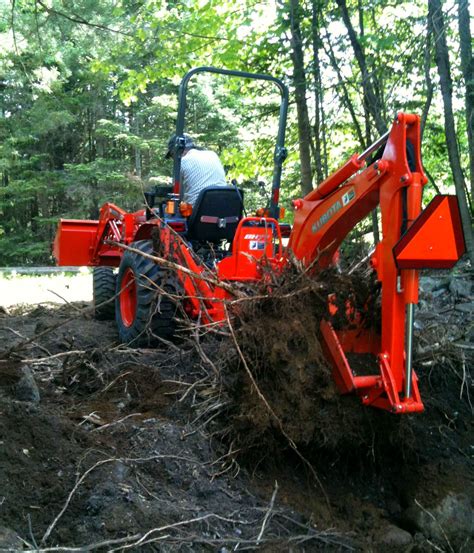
[(216, 214)]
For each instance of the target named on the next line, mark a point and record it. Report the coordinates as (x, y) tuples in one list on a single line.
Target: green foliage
[(88, 98)]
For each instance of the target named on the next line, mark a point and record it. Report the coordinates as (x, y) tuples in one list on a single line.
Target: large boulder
[(392, 538), (450, 522)]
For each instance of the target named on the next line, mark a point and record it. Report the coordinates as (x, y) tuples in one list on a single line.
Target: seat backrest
[(216, 214)]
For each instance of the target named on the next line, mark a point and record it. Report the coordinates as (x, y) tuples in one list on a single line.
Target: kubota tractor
[(217, 245)]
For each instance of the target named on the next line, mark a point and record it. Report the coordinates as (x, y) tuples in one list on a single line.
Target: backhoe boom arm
[(327, 214)]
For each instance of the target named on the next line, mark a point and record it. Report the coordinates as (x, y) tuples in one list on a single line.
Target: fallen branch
[(113, 423), (268, 513), (38, 360), (179, 268), (144, 539)]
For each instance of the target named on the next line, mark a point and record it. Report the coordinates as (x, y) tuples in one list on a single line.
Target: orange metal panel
[(251, 244), (74, 241), (341, 370)]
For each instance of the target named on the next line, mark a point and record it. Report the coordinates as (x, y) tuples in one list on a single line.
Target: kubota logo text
[(336, 206)]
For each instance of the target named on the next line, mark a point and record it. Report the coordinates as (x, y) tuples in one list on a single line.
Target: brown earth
[(108, 448)]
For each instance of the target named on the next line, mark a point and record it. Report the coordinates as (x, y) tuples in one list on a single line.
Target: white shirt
[(200, 169)]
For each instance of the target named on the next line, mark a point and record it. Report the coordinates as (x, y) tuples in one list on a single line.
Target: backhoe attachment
[(412, 239)]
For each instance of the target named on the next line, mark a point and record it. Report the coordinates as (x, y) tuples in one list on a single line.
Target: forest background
[(88, 98)]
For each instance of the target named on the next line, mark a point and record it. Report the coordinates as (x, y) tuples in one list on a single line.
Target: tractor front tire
[(103, 291), (142, 313)]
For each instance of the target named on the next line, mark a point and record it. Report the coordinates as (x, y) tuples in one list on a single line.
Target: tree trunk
[(299, 80), (318, 92), (92, 147), (368, 127), (367, 110), (467, 67), (134, 128), (429, 81), (370, 98), (435, 14)]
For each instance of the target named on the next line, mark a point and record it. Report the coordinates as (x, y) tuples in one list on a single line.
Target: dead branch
[(39, 346), (273, 296), (268, 513), (179, 268), (202, 354), (113, 423), (71, 305), (39, 360), (110, 384), (144, 539)]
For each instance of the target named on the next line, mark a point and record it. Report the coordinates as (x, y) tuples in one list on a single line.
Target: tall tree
[(467, 67), (299, 82), (87, 96), (320, 157), (429, 87), (435, 13)]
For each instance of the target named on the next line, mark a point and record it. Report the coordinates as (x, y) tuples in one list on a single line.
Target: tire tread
[(103, 290)]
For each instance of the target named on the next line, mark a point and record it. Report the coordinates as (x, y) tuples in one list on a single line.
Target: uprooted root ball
[(289, 393)]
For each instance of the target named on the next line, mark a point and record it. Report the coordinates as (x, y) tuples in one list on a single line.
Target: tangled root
[(278, 340)]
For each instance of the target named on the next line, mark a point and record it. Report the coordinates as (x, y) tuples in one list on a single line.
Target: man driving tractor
[(200, 168)]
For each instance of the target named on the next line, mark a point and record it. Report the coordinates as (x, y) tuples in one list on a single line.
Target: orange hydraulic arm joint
[(117, 225), (411, 240)]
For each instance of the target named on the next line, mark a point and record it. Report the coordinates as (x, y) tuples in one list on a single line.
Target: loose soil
[(109, 448)]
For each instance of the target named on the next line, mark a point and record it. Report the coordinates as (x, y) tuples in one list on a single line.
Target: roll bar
[(280, 150)]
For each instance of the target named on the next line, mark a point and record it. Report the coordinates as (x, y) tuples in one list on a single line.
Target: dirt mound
[(106, 447)]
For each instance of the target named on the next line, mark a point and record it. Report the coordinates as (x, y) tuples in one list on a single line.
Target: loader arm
[(115, 225), (324, 218)]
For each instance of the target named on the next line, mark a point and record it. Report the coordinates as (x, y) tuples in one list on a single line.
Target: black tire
[(103, 291), (141, 312)]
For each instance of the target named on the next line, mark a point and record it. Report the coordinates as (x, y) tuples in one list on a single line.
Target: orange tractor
[(217, 245)]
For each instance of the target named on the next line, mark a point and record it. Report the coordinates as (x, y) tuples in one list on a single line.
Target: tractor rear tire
[(142, 313), (103, 291)]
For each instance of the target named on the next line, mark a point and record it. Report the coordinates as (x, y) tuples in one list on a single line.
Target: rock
[(120, 471), (394, 537), (26, 388), (452, 519), (460, 287), (428, 284), (438, 293), (465, 307), (9, 540)]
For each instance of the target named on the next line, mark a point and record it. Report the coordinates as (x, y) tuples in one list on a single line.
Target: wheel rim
[(128, 298)]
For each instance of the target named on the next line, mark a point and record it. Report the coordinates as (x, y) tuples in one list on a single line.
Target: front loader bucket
[(74, 242)]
